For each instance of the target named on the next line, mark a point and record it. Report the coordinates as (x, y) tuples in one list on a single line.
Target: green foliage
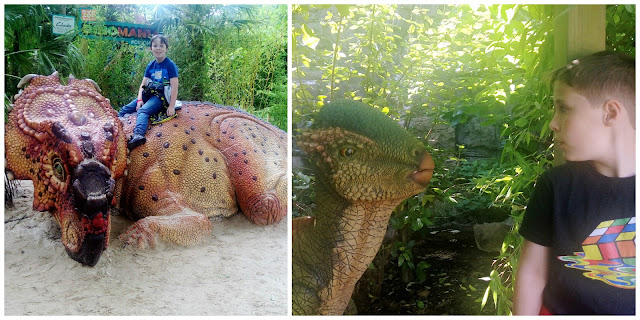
[(202, 38), (412, 215), (448, 63), (30, 46), (304, 197), (233, 55), (403, 253), (621, 26), (118, 68)]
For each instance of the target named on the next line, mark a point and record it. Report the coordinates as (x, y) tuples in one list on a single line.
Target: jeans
[(149, 108)]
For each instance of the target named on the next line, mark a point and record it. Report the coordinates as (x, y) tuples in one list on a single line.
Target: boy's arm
[(140, 103), (531, 278), (174, 96)]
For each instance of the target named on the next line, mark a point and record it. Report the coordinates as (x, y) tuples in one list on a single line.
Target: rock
[(489, 236), (479, 141), (441, 136)]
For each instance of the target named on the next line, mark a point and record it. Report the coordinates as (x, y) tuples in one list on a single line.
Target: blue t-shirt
[(161, 72)]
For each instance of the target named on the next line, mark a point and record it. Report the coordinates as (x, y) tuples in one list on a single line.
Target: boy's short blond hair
[(602, 76)]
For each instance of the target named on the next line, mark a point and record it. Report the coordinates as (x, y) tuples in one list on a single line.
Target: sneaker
[(136, 141)]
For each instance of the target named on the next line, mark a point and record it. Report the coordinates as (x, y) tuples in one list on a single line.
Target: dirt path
[(241, 269)]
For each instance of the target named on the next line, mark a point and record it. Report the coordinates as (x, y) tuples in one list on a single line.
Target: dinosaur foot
[(265, 209), (182, 229)]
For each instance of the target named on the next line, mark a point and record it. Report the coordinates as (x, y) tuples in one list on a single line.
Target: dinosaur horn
[(94, 84), (16, 97), (26, 79)]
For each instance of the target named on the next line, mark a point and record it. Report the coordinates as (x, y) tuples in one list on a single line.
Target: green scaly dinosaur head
[(364, 155)]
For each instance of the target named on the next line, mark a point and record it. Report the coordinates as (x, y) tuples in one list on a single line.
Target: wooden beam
[(579, 30)]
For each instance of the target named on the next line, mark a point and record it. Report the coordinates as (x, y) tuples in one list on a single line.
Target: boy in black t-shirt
[(578, 255)]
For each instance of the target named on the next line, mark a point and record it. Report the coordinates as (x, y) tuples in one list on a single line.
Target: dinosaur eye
[(58, 168), (347, 152)]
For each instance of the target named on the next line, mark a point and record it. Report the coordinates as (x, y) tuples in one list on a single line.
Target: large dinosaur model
[(365, 164), (207, 162)]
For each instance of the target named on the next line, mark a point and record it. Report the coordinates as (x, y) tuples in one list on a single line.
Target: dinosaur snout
[(424, 172), (86, 230)]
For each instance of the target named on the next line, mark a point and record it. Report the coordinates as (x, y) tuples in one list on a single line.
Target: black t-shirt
[(588, 222)]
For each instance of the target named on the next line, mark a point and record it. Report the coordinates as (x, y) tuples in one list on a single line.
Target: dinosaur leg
[(184, 228), (256, 160), (172, 191)]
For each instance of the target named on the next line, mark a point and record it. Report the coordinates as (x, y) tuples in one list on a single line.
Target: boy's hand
[(171, 111), (139, 105)]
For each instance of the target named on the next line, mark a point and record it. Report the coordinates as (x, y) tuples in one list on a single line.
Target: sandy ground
[(241, 269)]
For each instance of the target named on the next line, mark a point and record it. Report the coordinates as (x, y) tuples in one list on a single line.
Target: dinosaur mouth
[(423, 174), (85, 235)]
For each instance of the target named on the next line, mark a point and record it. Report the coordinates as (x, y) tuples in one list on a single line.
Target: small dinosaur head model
[(365, 164), (364, 155), (69, 142)]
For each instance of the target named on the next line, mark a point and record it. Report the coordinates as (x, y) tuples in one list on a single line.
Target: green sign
[(136, 34), (62, 24)]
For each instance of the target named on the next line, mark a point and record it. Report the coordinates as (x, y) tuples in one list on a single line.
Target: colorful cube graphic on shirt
[(612, 240)]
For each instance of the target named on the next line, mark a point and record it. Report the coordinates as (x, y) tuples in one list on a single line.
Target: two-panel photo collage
[(285, 160)]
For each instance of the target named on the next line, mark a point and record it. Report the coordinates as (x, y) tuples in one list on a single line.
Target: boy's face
[(158, 49), (579, 125)]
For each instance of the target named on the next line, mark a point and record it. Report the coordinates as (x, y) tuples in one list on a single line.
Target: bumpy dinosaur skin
[(205, 163), (207, 160), (365, 165)]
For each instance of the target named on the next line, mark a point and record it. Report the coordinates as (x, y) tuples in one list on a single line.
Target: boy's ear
[(612, 112)]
